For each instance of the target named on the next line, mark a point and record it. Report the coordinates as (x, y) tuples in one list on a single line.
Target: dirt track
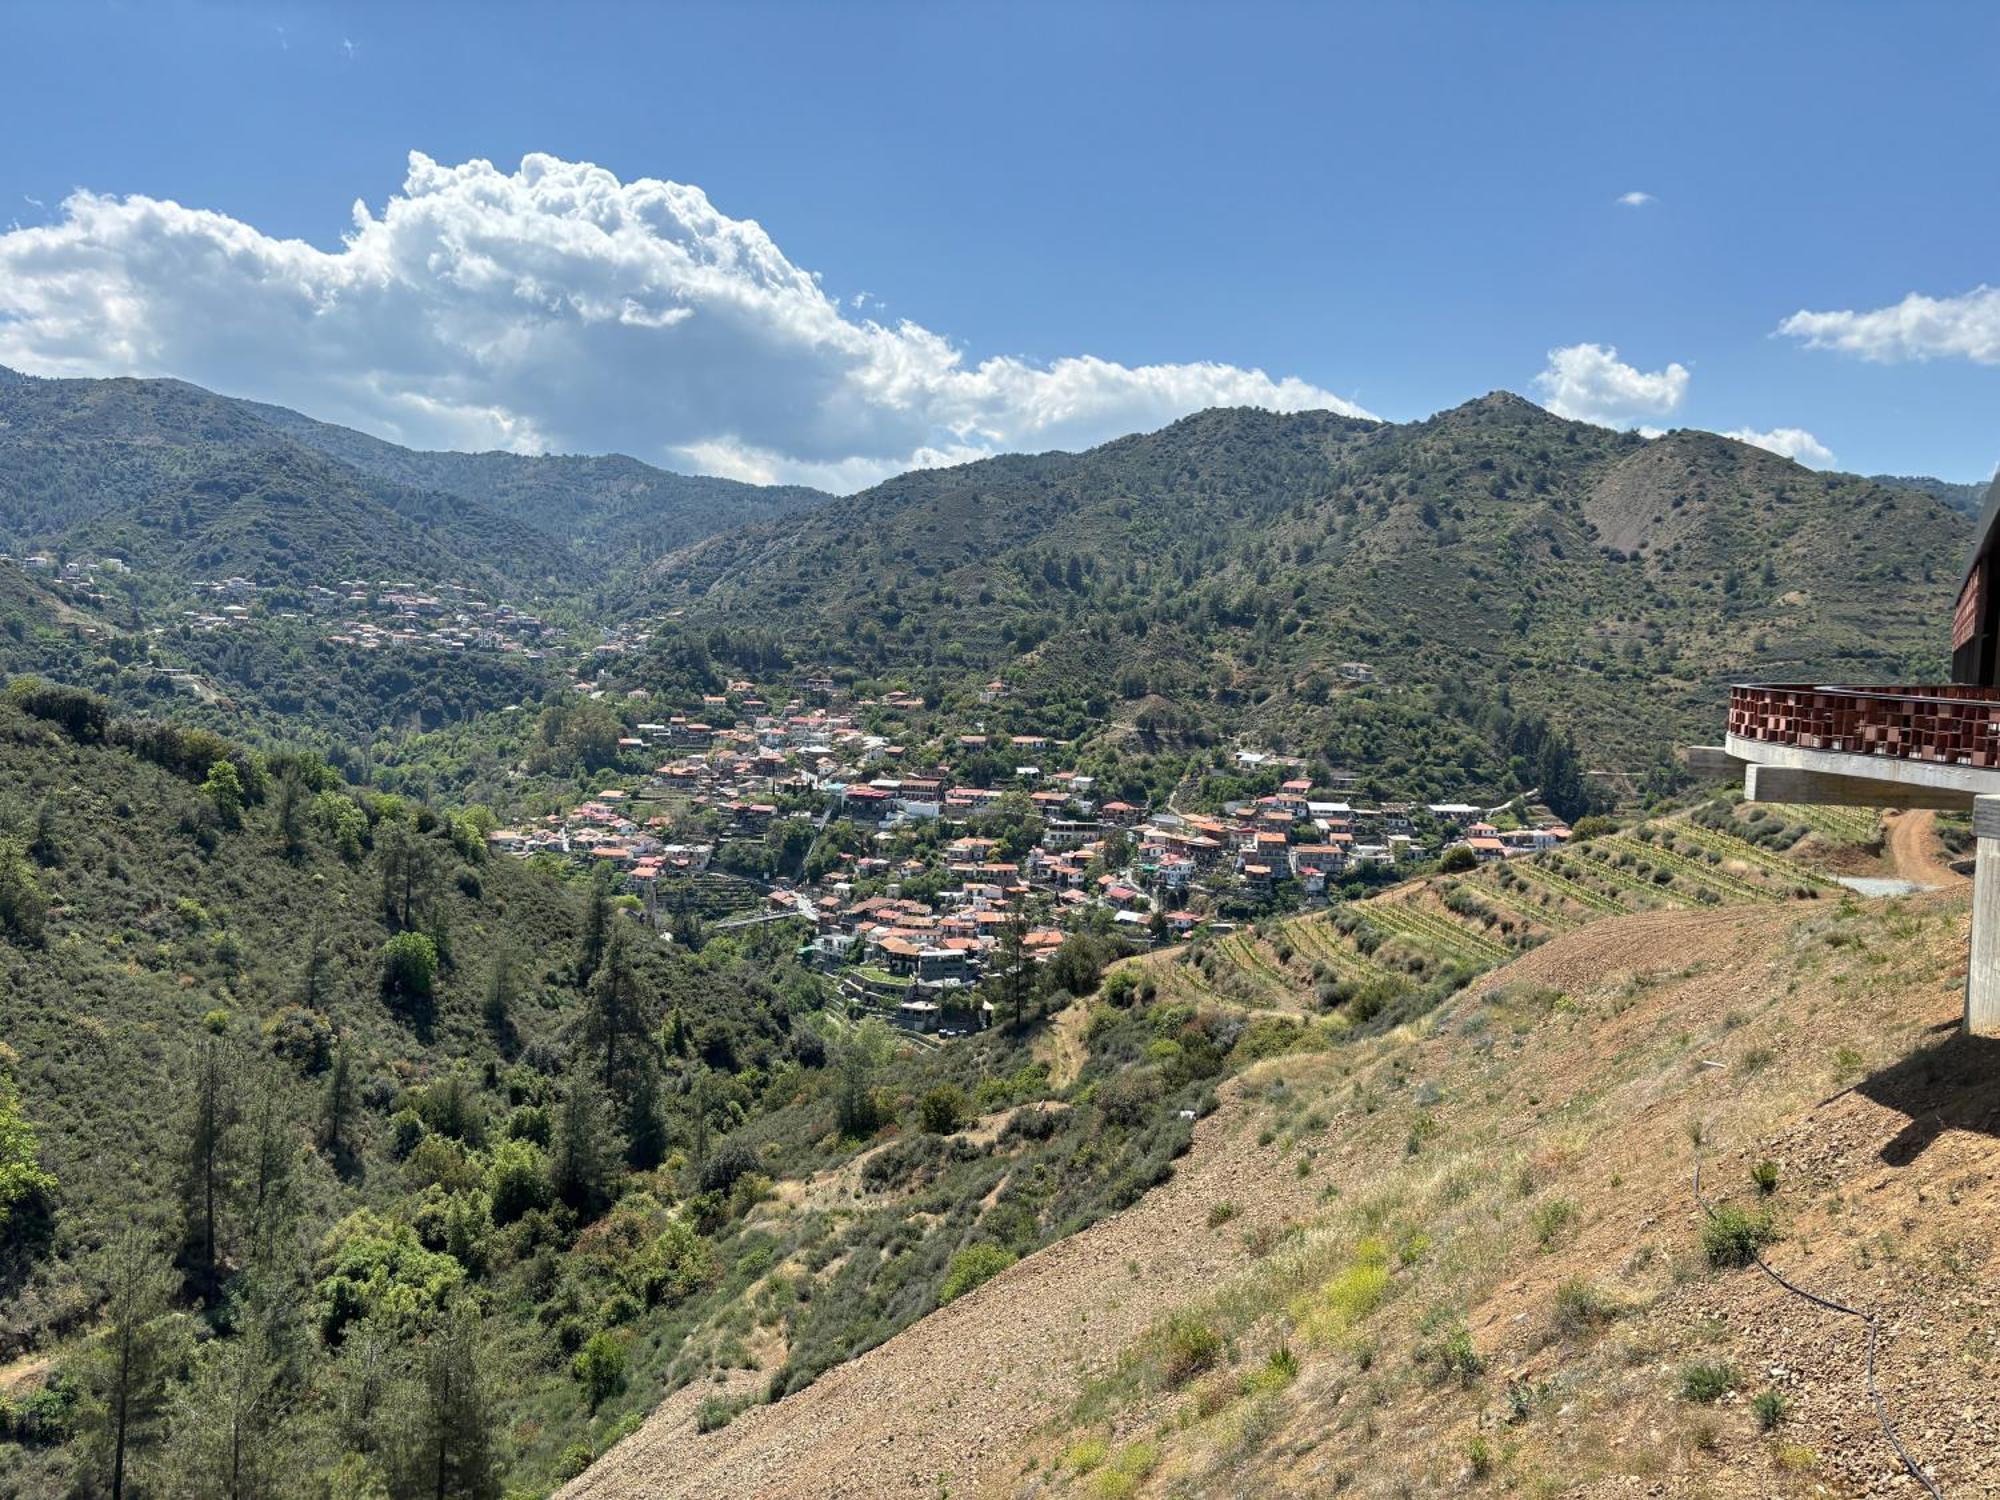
[(1910, 842)]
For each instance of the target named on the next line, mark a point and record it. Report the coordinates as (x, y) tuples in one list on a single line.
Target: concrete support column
[(1982, 976)]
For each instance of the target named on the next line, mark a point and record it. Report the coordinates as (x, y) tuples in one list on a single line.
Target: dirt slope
[(1532, 1137), (948, 1401)]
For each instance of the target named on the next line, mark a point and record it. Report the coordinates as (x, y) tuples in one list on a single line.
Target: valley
[(1188, 967)]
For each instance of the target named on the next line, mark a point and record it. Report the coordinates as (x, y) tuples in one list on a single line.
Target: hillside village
[(917, 880)]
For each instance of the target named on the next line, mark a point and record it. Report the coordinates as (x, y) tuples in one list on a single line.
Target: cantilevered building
[(1897, 747)]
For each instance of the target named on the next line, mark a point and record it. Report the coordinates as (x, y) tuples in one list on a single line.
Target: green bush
[(1770, 1406), (517, 1180), (599, 1367), (1707, 1382), (1551, 1220), (371, 1267), (942, 1110), (302, 1037), (973, 1266), (1188, 1347), (23, 908), (1581, 1308), (1447, 1351), (1732, 1237), (409, 965)]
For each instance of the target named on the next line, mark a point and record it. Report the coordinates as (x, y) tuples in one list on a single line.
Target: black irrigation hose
[(1874, 1329)]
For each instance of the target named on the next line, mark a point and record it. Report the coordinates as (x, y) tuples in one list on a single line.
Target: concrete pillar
[(1982, 976)]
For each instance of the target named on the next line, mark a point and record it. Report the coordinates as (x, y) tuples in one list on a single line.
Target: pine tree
[(316, 979), (498, 1009), (45, 847), (123, 1377), (596, 927), (699, 1101), (289, 812), (407, 872), (580, 1155), (1014, 970), (447, 1449), (645, 1129), (210, 1122), (269, 1191), (337, 1105), (228, 1425), (618, 1019)]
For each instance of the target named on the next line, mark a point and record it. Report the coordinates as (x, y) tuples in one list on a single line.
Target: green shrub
[(599, 1367), (1770, 1406), (942, 1110), (1085, 1454), (1551, 1219), (1188, 1347), (1122, 1477), (517, 1180), (371, 1267), (1447, 1352), (1765, 1175), (1479, 1457), (971, 1267), (1732, 1237), (1707, 1382), (1581, 1308), (302, 1037), (409, 965)]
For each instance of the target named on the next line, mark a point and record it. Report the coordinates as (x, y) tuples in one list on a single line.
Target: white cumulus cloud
[(1918, 327), (1636, 199), (1791, 442), (1589, 383), (556, 307)]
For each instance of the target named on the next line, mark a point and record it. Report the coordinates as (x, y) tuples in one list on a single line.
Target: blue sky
[(1397, 206)]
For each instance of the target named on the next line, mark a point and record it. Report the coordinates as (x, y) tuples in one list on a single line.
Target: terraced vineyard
[(1728, 847), (1841, 825), (1438, 930), (1428, 932)]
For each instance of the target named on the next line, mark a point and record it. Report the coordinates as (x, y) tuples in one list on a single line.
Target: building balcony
[(1929, 746)]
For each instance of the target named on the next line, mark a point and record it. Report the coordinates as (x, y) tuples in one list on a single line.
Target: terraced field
[(1440, 929), (1840, 825)]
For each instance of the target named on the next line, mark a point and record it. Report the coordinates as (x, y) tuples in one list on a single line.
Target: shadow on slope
[(1952, 1084)]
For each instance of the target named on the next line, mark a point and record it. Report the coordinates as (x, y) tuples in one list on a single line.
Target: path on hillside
[(950, 1399), (1910, 841), (1061, 1044)]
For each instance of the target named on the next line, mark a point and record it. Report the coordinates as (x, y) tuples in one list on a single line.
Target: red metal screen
[(1957, 726), (1965, 619)]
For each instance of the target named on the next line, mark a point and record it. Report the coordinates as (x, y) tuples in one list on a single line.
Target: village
[(915, 882)]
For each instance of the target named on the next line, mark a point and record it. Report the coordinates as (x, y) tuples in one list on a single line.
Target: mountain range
[(1368, 594)]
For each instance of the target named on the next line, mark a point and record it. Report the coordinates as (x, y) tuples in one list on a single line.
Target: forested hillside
[(1213, 577), (613, 509), (326, 1135), (199, 484)]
